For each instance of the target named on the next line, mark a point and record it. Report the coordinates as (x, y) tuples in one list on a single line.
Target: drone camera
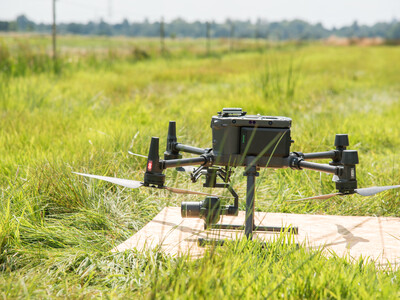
[(209, 209)]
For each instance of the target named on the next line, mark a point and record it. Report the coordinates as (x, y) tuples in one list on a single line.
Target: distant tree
[(394, 32), (353, 30), (104, 28), (76, 28), (4, 26), (24, 24), (12, 26), (283, 30), (125, 27)]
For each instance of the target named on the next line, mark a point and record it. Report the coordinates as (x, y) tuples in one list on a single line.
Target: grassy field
[(56, 229)]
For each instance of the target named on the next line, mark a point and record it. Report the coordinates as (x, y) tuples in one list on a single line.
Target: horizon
[(202, 21), (330, 14)]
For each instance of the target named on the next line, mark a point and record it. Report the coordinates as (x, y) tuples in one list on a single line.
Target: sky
[(329, 12)]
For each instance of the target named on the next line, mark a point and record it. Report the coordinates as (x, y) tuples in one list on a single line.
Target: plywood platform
[(375, 237)]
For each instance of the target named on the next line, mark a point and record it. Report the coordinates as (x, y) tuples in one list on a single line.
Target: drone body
[(241, 140), (236, 135), (252, 142)]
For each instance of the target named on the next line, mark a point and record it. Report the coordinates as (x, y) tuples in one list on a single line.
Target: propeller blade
[(370, 191), (132, 184), (321, 197), (140, 155), (188, 169), (181, 191), (375, 190)]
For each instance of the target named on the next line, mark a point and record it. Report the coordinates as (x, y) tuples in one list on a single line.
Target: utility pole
[(162, 36), (231, 36), (257, 33), (54, 33), (208, 35)]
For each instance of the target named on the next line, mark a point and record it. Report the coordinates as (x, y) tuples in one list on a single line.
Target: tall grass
[(56, 230), (19, 57), (276, 82), (23, 59)]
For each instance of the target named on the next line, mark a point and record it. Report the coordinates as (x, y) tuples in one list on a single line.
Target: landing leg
[(251, 173)]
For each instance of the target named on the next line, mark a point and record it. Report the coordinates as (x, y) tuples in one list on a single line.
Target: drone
[(252, 142)]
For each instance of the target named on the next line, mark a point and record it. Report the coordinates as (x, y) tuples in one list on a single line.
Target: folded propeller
[(134, 184), (370, 191)]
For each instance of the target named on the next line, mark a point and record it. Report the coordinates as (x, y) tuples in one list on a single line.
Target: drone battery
[(265, 141), (240, 135)]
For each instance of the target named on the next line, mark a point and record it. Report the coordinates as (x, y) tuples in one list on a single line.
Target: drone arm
[(298, 163), (343, 166), (202, 160), (321, 155), (341, 143), (189, 149), (319, 167)]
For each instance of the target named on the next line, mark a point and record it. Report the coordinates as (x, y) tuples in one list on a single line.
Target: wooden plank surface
[(375, 237)]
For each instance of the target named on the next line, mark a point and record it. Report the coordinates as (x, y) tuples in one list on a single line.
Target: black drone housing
[(236, 135), (250, 141), (241, 140)]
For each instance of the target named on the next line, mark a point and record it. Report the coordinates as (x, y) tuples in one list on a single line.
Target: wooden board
[(375, 237)]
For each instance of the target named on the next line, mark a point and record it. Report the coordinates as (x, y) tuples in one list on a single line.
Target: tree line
[(283, 30)]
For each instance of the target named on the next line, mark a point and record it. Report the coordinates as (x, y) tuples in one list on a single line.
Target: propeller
[(135, 154), (134, 184), (370, 191)]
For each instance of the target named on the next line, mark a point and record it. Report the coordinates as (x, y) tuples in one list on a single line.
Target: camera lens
[(190, 209)]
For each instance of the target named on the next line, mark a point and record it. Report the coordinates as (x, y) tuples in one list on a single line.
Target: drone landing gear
[(251, 174), (255, 228)]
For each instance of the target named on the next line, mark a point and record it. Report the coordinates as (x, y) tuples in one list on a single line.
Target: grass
[(56, 229)]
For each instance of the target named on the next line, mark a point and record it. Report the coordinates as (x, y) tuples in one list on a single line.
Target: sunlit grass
[(56, 229)]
